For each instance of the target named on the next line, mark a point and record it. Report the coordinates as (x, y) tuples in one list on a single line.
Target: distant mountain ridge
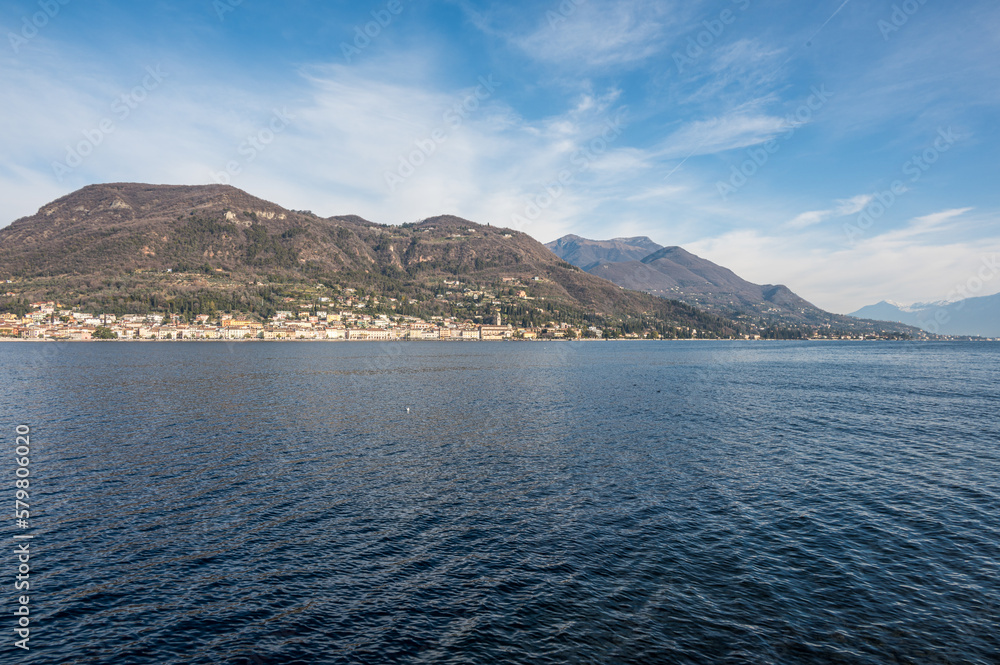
[(978, 317), (585, 254), (675, 273)]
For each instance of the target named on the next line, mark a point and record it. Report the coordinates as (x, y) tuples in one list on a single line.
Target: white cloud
[(937, 220), (660, 192), (349, 127), (733, 72), (594, 34), (921, 226), (844, 207), (810, 218), (853, 205), (706, 137), (845, 278)]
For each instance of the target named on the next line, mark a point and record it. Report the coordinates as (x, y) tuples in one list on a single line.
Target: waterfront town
[(51, 321)]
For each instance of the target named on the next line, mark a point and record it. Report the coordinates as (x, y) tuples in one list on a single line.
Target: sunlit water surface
[(675, 502)]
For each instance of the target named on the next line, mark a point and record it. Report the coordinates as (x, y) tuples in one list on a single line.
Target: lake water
[(672, 502)]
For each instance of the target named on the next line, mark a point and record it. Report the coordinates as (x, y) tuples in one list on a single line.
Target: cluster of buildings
[(49, 320)]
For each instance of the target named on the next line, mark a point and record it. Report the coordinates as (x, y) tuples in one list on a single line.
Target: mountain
[(585, 253), (976, 317), (888, 310), (125, 246), (673, 272)]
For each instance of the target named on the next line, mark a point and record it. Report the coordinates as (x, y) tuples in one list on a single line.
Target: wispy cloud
[(906, 267), (810, 218), (735, 72), (937, 220), (349, 127), (598, 35), (851, 206), (927, 224), (730, 132), (660, 192)]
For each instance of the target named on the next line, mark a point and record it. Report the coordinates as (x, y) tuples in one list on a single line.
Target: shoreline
[(447, 341)]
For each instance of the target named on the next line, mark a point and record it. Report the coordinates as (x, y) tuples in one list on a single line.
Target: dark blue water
[(540, 503)]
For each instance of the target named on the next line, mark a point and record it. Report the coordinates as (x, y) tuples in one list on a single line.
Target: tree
[(104, 333)]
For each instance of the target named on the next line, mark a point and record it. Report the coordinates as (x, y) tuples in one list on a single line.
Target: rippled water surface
[(538, 503)]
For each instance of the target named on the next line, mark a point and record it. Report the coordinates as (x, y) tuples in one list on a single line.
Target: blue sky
[(846, 149)]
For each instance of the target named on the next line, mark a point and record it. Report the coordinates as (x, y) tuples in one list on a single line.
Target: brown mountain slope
[(116, 240), (673, 272), (116, 228), (585, 253)]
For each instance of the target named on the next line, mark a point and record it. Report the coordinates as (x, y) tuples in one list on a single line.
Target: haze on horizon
[(845, 149)]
